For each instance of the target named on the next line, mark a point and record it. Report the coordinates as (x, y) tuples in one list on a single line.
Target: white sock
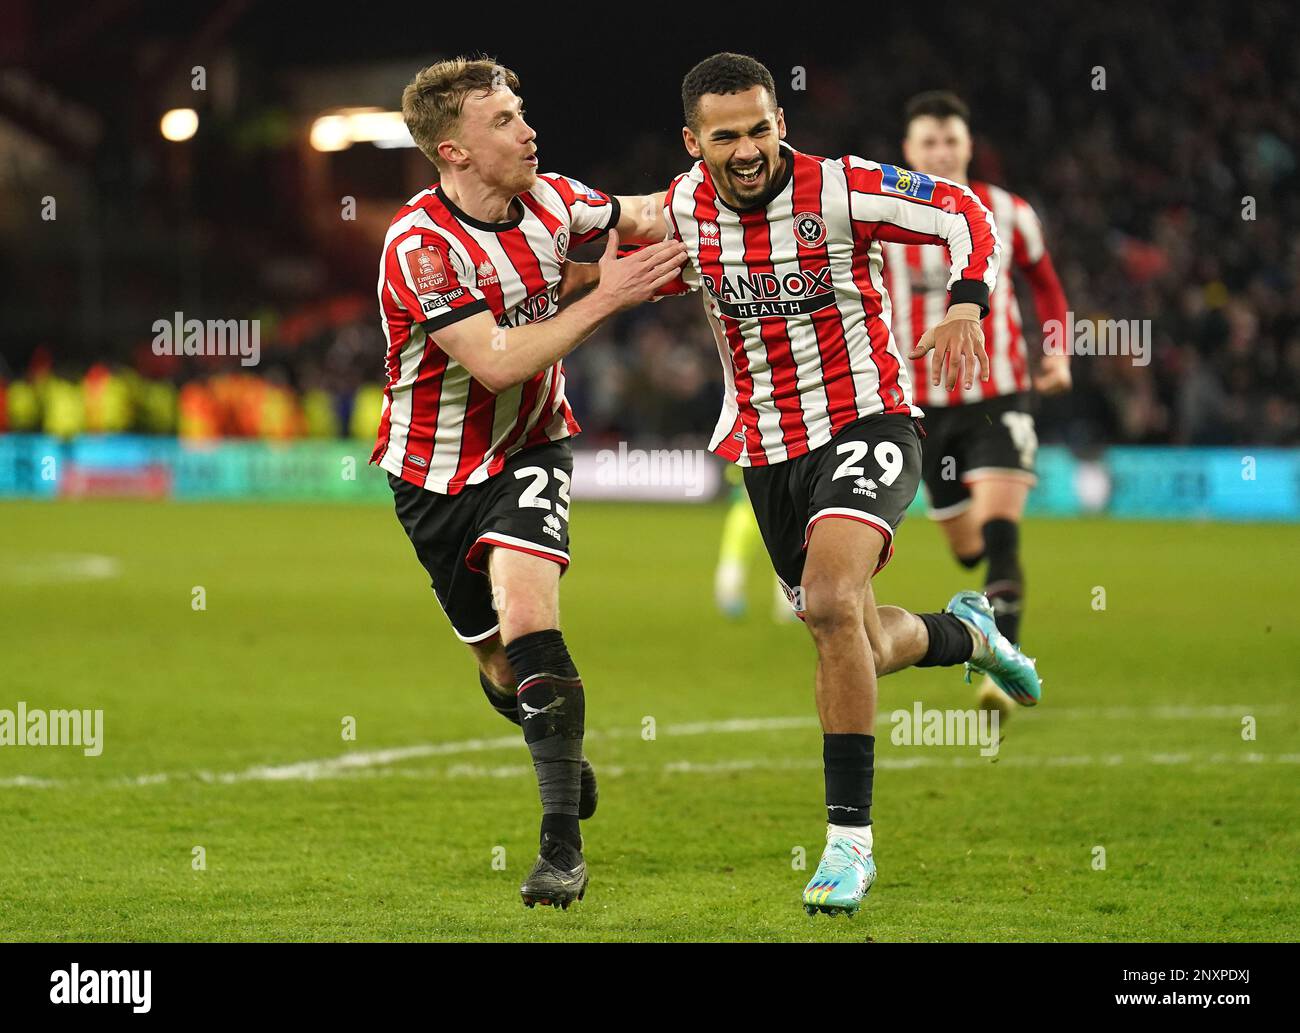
[(859, 834)]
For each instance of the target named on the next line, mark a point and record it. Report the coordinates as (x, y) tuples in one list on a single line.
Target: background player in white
[(980, 441), (818, 404), (475, 427)]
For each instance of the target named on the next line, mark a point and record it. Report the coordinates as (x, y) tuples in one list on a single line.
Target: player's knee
[(831, 604), (523, 613), (526, 621), (525, 606)]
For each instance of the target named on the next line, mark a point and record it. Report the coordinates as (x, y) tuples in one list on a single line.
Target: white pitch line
[(749, 764), (354, 763)]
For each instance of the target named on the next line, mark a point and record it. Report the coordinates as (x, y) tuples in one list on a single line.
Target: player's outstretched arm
[(501, 357), (641, 219), (912, 208)]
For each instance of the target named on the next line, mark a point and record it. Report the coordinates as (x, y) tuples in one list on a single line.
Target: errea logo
[(121, 986), (552, 525), (864, 486)]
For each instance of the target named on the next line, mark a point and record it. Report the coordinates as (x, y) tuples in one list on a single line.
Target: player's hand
[(629, 281), (1053, 377), (958, 343)]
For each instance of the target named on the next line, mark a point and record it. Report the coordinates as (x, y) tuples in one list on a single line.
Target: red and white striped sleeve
[(687, 279), (423, 272), (913, 208), (591, 212), (1030, 255)]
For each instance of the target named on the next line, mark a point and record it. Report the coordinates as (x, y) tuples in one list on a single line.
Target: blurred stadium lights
[(339, 130), (179, 124)]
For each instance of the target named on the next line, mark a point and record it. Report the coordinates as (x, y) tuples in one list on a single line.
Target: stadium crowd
[(1166, 180)]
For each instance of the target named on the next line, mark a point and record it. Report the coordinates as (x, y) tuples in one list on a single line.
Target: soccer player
[(475, 426), (978, 456), (818, 408)]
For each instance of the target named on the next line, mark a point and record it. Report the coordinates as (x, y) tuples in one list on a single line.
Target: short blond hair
[(432, 101)]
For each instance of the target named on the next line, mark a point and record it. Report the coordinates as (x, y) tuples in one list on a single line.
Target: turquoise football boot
[(1011, 671), (842, 879)]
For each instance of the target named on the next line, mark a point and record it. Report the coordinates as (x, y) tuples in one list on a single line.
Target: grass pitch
[(224, 731)]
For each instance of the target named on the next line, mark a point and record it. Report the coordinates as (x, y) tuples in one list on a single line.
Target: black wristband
[(970, 292)]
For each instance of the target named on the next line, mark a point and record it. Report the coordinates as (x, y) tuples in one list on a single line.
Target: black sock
[(970, 562), (503, 701), (1003, 581), (950, 641), (849, 761), (551, 712)]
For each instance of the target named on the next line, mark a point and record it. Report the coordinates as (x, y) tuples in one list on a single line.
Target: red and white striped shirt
[(795, 292), (917, 281), (441, 428)]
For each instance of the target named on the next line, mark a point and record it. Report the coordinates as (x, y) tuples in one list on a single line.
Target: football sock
[(849, 761), (551, 712), (951, 642), (971, 562), (503, 701), (1004, 583)]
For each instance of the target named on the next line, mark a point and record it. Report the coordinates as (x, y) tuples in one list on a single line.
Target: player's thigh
[(442, 530), (868, 474), (523, 538), (842, 555), (997, 497), (526, 589), (1002, 451), (963, 532), (942, 464)]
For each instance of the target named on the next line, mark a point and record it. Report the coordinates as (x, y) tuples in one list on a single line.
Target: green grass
[(316, 613)]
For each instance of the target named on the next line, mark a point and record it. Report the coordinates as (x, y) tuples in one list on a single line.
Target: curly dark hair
[(722, 73)]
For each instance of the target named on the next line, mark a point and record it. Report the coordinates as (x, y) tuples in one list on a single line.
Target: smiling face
[(492, 140), (739, 137), (938, 146)]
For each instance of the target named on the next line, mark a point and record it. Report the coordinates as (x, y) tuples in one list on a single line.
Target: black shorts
[(869, 472), (964, 443), (524, 507)]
